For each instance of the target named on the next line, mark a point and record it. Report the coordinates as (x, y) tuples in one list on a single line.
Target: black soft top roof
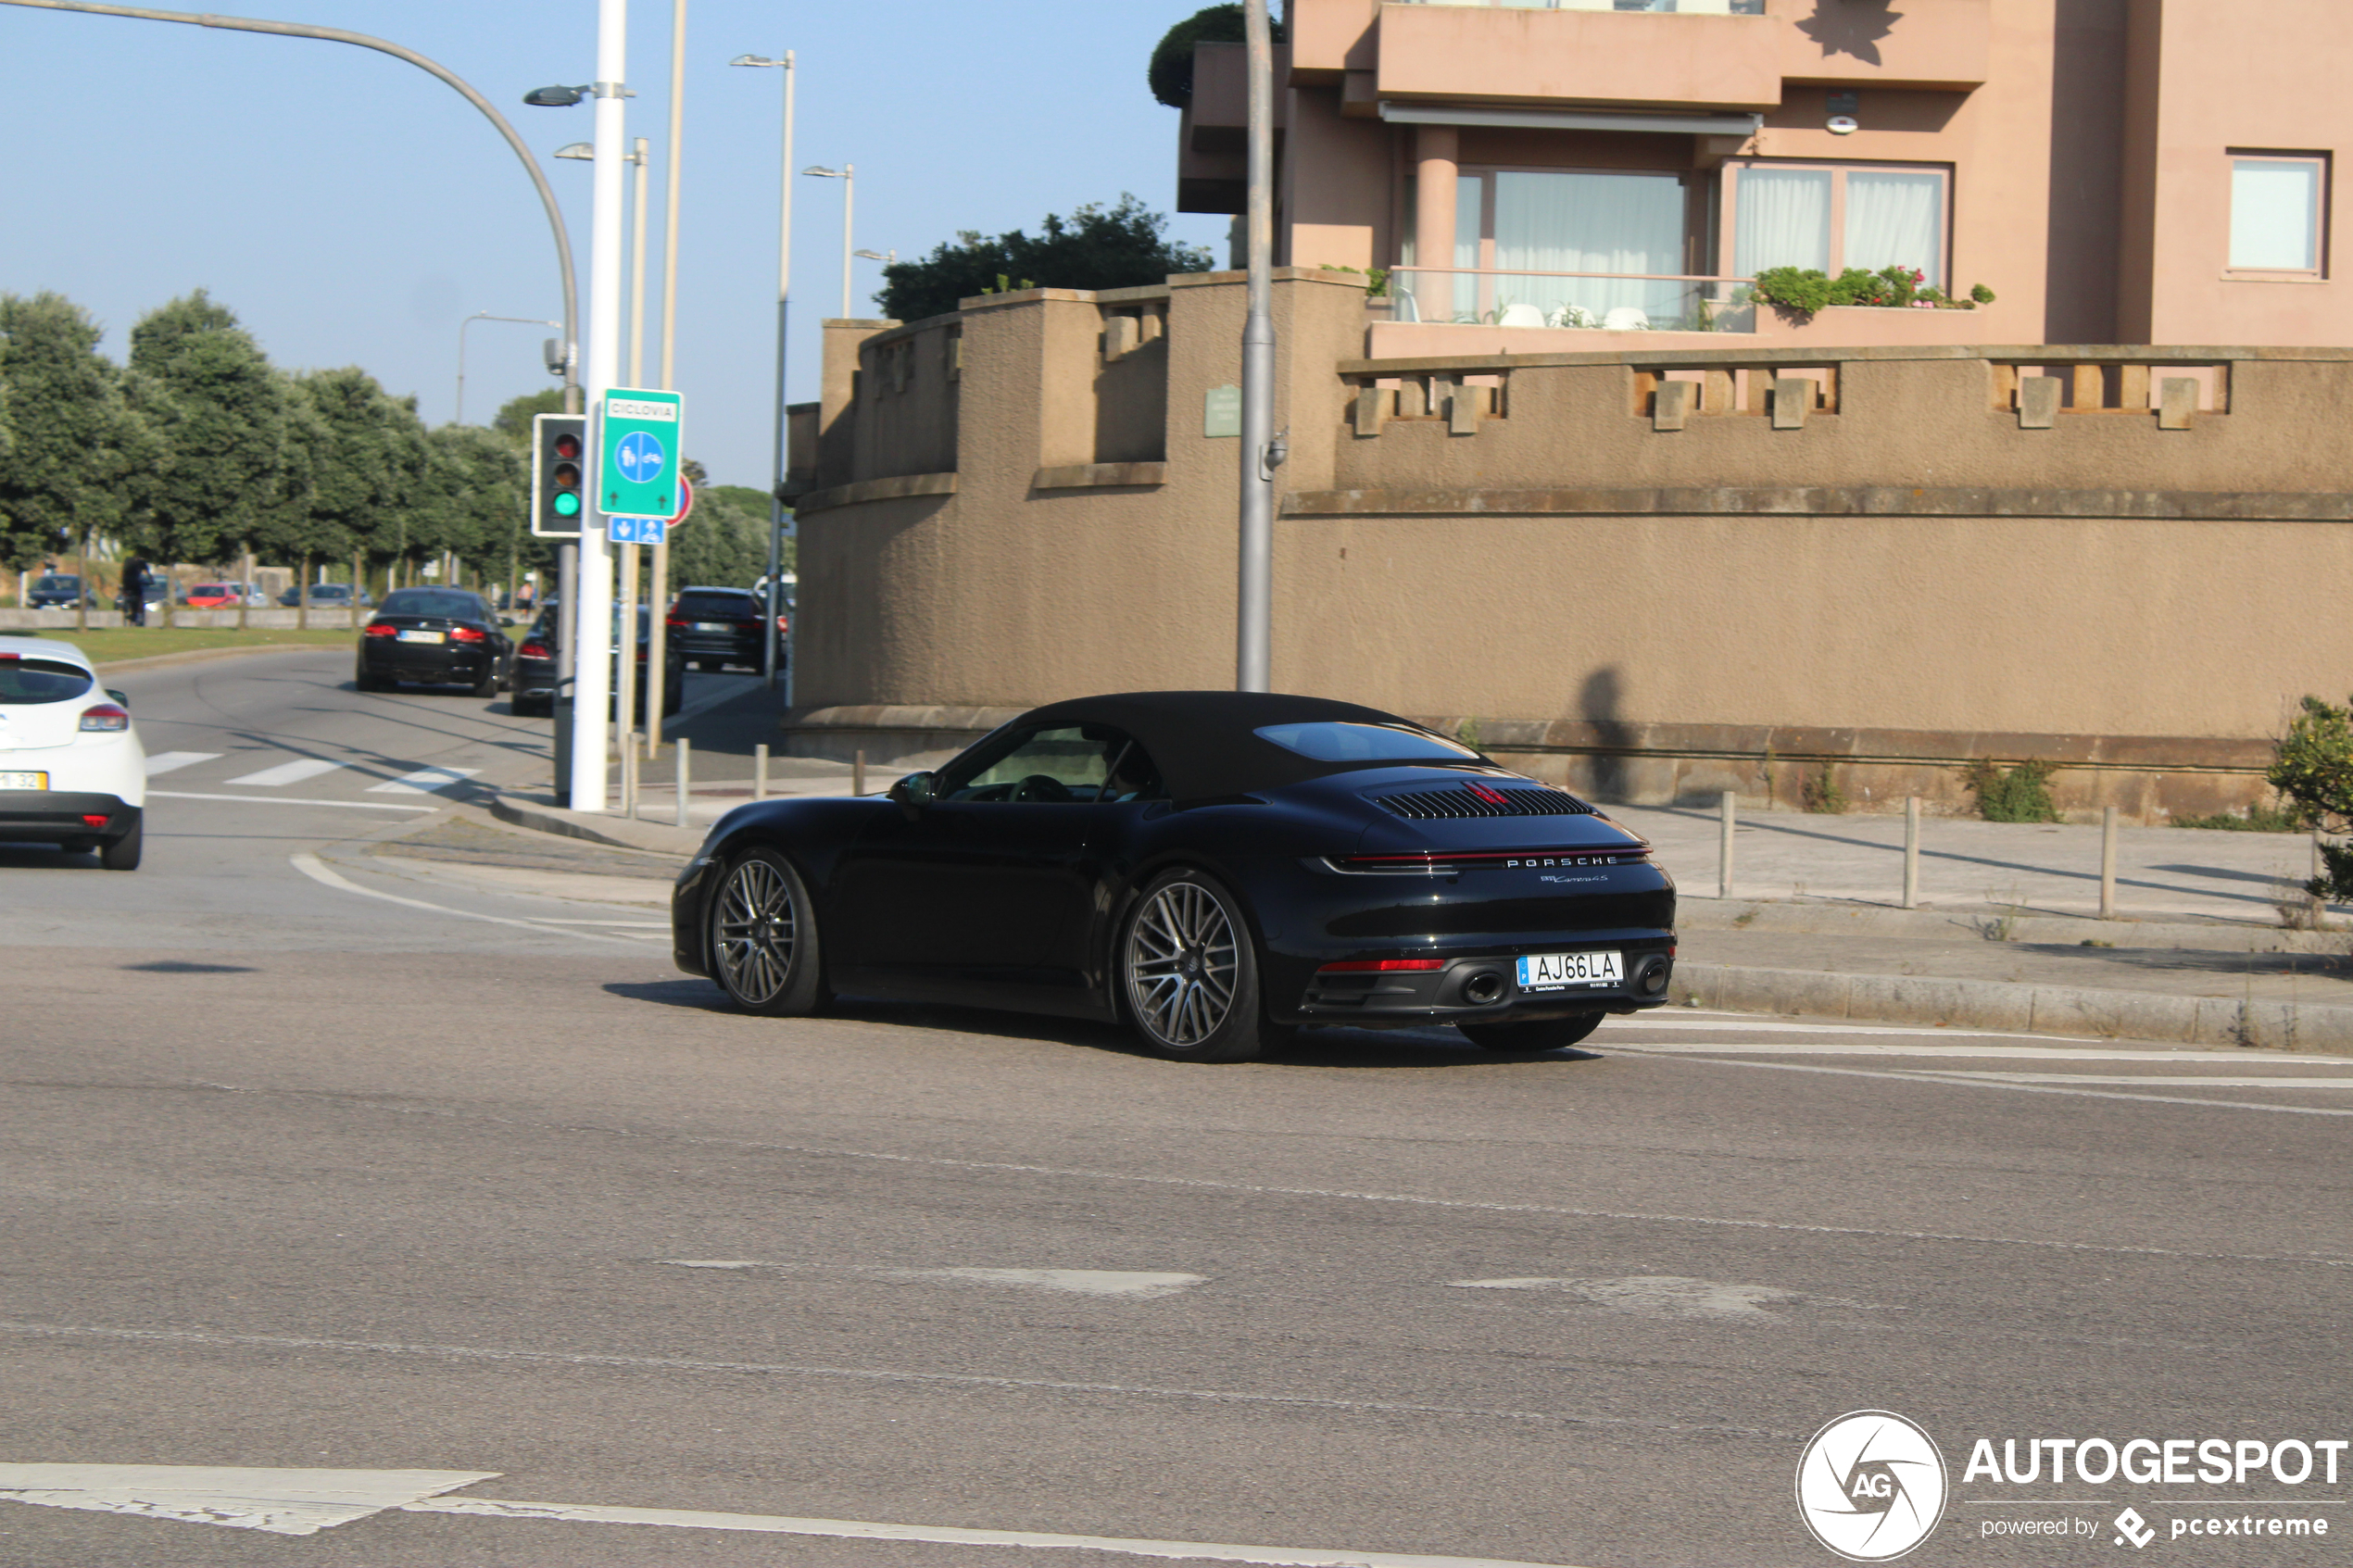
[(1203, 741)]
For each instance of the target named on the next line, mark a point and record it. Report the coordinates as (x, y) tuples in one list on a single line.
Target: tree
[(1097, 247), (73, 438), (363, 459), (724, 543), (471, 496), (1171, 73), (218, 413), (2313, 766), (513, 419)]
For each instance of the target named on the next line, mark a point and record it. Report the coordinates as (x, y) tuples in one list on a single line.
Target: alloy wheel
[(753, 933), (1182, 964)]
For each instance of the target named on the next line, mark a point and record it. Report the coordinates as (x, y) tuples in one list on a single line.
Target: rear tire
[(366, 682), (760, 937), (1189, 971), (122, 854), (487, 687), (1541, 1034)]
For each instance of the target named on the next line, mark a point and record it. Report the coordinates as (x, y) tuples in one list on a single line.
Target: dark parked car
[(1215, 868), (534, 684), (437, 637), (717, 627), (56, 591), (326, 596)]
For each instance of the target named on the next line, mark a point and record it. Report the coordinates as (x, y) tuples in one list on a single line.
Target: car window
[(735, 605), (56, 584), (1076, 764), (1335, 741), (26, 681), (442, 602)]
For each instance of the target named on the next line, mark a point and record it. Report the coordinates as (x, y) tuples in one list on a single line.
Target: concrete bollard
[(685, 746), (2108, 862), (759, 773), (1724, 849), (1912, 851), (857, 772), (628, 775)]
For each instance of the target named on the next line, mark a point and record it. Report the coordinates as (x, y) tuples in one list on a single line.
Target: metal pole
[(1255, 589), (658, 591), (848, 188), (593, 613), (638, 155), (1724, 847), (1912, 851), (857, 772), (783, 419), (625, 667), (760, 771), (686, 749), (2108, 862)]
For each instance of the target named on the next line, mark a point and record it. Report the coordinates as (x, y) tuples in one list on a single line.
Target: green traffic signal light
[(567, 504)]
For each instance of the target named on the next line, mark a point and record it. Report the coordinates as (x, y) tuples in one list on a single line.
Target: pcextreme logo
[(1870, 1485)]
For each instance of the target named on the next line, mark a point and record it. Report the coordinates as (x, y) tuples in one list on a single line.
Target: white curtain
[(1471, 193), (1582, 223), (1895, 220), (1783, 219), (2275, 207)]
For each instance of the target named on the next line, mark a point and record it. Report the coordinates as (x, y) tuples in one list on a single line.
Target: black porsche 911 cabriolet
[(1216, 868)]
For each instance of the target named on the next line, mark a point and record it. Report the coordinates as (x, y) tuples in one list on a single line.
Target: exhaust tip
[(1653, 978), (1484, 987)]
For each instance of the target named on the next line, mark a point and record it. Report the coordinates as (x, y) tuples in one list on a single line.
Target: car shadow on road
[(1338, 1047)]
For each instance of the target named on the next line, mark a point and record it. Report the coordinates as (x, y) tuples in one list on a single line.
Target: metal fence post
[(685, 747), (2108, 862), (1724, 849), (1912, 851)]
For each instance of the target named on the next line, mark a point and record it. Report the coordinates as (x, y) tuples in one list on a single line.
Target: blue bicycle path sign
[(637, 435)]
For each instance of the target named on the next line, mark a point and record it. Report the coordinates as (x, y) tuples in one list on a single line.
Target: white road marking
[(424, 781), (717, 1264), (1076, 1282), (319, 871), (2157, 1080), (292, 772), (861, 1374), (2024, 1053), (1999, 1081), (172, 761), (852, 1529), (288, 800), (283, 1502), (303, 1502), (1656, 1296), (1744, 1023)]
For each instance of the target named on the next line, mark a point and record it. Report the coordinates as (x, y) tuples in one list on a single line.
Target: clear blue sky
[(352, 210)]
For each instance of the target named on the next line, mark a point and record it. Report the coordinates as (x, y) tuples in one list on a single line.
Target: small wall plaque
[(1221, 411)]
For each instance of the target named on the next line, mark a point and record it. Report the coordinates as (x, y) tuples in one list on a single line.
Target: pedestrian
[(135, 592)]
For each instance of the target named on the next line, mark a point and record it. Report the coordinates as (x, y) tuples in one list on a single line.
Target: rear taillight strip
[(1439, 863)]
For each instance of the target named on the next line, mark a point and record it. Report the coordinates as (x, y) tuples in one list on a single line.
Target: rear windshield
[(212, 590), (1335, 741), (444, 602), (42, 680), (56, 584), (735, 605)]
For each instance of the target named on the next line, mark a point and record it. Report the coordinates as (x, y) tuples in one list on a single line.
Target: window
[(28, 680), (1830, 218), (1526, 227), (1070, 764), (1340, 741), (2276, 206)]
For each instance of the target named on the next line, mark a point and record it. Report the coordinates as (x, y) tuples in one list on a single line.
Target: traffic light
[(558, 457)]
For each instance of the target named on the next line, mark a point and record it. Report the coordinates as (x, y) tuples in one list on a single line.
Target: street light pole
[(848, 175), (657, 593), (1254, 588), (784, 418), (592, 607), (483, 316), (625, 664)]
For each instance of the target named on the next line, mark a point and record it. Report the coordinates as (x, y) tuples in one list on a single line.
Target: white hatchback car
[(72, 772)]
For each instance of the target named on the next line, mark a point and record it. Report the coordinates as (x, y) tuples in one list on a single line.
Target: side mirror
[(120, 699), (914, 792)]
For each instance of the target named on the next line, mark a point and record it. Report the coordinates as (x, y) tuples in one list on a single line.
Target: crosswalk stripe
[(172, 761), (301, 768), (2154, 1080), (424, 781)]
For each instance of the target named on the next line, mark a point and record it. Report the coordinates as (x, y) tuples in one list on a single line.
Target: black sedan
[(716, 627), (534, 684), (1215, 868), (436, 636), (58, 590)]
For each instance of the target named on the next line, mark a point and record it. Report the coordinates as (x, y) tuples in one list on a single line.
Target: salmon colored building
[(2112, 171)]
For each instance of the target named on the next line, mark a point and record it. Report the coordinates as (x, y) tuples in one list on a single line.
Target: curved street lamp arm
[(382, 45)]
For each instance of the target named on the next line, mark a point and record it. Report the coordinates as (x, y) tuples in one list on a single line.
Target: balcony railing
[(1689, 8), (1603, 301)]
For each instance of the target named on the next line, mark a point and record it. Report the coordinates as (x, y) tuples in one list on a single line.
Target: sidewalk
[(2200, 959)]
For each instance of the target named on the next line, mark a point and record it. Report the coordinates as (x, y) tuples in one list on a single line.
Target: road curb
[(203, 655), (645, 837), (2026, 1009)]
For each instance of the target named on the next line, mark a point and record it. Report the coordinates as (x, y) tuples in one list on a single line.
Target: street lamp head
[(582, 150), (884, 255), (754, 61), (823, 173), (556, 97)]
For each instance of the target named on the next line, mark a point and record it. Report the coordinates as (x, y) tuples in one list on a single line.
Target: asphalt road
[(355, 1138)]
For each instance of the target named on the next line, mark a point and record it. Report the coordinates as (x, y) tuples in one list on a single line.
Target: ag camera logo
[(1870, 1485)]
